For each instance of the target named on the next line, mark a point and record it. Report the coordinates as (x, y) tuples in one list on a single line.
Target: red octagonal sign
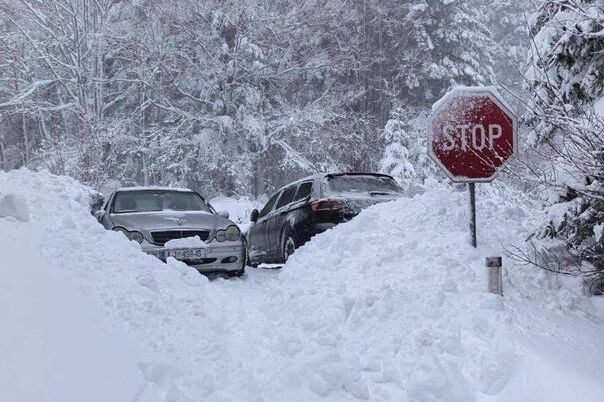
[(473, 134)]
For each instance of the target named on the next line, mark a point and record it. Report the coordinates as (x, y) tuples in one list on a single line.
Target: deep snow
[(54, 345), (388, 307)]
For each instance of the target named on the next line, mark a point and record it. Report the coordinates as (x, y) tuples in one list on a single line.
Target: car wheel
[(237, 273), (288, 246), (248, 260)]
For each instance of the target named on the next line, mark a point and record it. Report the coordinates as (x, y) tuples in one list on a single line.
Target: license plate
[(186, 254)]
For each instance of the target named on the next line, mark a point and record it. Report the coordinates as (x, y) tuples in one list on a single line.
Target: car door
[(103, 214), (298, 216), (276, 219), (258, 232)]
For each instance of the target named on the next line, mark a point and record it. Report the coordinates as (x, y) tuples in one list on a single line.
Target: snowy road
[(388, 307)]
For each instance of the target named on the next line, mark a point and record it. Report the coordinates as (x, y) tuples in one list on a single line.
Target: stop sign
[(473, 134)]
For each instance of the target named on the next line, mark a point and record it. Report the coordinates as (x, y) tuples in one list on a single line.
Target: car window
[(106, 204), (269, 205), (362, 184), (158, 200), (304, 190), (286, 197)]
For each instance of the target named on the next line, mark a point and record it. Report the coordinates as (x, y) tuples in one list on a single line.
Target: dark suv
[(312, 205)]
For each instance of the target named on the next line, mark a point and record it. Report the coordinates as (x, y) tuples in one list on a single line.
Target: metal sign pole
[(472, 191)]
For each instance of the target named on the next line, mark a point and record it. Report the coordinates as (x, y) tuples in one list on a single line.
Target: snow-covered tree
[(566, 81), (235, 96), (396, 155), (566, 60), (508, 24), (405, 156), (443, 43)]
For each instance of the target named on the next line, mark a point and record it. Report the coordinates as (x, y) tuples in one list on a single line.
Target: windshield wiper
[(129, 211), (380, 193)]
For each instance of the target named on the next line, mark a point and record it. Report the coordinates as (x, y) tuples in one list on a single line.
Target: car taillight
[(326, 205)]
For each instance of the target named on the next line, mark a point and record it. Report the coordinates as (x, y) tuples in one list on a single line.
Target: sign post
[(473, 135), (472, 192)]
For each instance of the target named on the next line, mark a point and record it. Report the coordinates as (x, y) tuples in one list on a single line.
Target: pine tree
[(507, 21), (405, 156), (396, 155), (567, 113), (567, 56), (445, 43)]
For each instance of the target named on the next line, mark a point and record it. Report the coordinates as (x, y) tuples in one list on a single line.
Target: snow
[(15, 207), (599, 107), (239, 209), (462, 90), (186, 242), (390, 306), (157, 188), (55, 345)]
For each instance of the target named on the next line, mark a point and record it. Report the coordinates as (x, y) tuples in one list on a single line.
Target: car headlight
[(131, 235), (220, 235), (231, 233)]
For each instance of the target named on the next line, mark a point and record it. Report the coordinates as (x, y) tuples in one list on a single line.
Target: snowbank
[(54, 345), (408, 316), (12, 206), (388, 307), (58, 349)]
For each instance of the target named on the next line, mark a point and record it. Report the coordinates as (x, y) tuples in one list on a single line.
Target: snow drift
[(53, 344), (388, 307), (397, 299)]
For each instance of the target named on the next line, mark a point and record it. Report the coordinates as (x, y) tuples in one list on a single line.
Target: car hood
[(145, 221)]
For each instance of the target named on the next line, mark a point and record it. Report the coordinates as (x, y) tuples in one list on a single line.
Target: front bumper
[(226, 258)]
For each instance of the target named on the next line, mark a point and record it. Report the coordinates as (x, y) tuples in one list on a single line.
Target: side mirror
[(255, 215), (99, 214), (224, 214)]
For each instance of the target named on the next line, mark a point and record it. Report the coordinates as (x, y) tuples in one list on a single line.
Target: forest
[(239, 97)]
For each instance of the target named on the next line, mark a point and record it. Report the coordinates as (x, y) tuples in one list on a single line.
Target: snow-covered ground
[(388, 307)]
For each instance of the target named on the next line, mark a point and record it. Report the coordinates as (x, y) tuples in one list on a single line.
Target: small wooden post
[(472, 191), (495, 275)]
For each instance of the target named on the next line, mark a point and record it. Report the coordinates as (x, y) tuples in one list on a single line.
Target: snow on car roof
[(139, 188), (332, 174)]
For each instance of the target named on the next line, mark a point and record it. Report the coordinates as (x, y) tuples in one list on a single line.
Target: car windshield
[(374, 185), (158, 200)]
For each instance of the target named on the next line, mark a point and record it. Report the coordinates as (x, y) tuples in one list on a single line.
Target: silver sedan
[(179, 223)]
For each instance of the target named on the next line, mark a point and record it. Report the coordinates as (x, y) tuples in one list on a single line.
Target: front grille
[(200, 261), (162, 237)]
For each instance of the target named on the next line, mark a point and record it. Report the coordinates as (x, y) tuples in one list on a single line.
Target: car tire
[(288, 245), (248, 260), (237, 274)]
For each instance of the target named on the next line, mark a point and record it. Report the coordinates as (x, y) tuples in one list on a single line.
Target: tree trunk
[(26, 142), (259, 182), (2, 155)]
